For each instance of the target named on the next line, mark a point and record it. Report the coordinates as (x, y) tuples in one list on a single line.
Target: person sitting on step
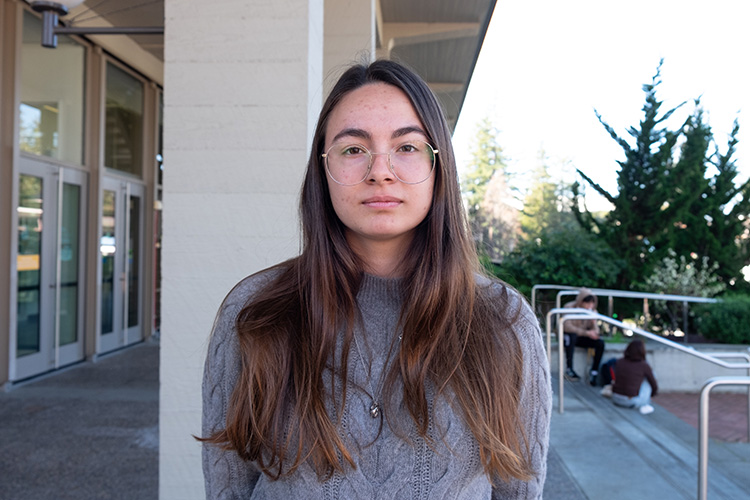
[(634, 382), (583, 333)]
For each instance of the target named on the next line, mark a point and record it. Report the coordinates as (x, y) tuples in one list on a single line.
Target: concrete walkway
[(87, 432), (91, 432)]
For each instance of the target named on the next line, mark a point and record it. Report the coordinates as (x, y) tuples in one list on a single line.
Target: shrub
[(563, 257), (680, 276), (727, 321)]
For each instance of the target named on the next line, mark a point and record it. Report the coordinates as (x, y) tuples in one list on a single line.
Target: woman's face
[(381, 208)]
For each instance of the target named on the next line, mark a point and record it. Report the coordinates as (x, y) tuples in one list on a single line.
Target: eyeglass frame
[(372, 160)]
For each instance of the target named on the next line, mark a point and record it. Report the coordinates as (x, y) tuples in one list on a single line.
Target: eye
[(353, 150), (408, 148)]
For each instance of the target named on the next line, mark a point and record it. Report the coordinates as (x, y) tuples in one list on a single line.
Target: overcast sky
[(546, 65)]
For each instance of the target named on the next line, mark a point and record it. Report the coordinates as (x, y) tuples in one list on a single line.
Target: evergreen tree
[(689, 234), (494, 222), (725, 209), (546, 204), (669, 203), (486, 159), (642, 215)]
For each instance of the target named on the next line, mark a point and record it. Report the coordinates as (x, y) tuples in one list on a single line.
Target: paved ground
[(91, 432), (727, 413)]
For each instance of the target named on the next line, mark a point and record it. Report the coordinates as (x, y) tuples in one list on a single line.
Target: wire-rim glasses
[(411, 162)]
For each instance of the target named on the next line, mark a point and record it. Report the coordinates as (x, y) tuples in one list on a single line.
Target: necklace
[(374, 406)]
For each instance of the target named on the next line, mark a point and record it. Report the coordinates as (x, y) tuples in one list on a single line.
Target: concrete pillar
[(10, 22), (349, 37), (243, 87)]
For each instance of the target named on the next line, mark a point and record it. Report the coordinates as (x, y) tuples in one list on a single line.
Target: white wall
[(243, 86), (349, 37)]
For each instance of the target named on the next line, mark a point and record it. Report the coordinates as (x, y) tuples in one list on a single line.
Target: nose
[(380, 170)]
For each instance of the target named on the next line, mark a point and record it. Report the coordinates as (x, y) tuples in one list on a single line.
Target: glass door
[(50, 267), (121, 264)]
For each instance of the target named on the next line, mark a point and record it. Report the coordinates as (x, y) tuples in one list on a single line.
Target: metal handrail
[(566, 290), (571, 314), (703, 428), (573, 290)]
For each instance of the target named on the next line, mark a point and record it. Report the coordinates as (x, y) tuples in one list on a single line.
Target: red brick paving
[(727, 412)]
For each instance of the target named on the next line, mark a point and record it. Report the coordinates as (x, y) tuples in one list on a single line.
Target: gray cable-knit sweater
[(388, 467)]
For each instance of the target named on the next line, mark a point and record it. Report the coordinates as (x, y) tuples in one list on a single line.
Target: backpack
[(607, 372)]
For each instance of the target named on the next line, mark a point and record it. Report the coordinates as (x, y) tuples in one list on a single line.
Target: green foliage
[(727, 321), (564, 255)]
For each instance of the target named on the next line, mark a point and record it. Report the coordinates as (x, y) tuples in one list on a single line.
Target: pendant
[(374, 410)]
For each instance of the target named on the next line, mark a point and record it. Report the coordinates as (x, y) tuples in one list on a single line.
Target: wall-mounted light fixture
[(51, 12)]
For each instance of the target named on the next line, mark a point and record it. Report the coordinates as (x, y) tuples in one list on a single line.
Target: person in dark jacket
[(634, 381), (583, 333)]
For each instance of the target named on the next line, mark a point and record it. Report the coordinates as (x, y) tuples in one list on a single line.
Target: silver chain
[(374, 406)]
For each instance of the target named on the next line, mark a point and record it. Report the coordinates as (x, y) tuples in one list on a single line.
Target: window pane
[(51, 111), (134, 261), (69, 254), (107, 248), (123, 142), (28, 263)]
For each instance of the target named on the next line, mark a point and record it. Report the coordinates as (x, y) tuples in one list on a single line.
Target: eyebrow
[(363, 134)]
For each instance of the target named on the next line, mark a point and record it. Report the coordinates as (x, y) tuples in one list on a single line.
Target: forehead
[(376, 108)]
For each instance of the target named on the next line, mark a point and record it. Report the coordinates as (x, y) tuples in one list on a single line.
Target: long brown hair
[(457, 328), (635, 351)]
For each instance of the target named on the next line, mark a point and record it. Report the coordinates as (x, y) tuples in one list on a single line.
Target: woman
[(634, 382), (379, 363)]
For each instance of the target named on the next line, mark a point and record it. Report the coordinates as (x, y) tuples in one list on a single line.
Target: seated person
[(583, 333), (634, 382)]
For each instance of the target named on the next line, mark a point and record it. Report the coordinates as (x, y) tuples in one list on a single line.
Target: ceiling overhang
[(439, 39)]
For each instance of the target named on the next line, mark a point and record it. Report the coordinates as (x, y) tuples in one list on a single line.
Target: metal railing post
[(560, 369), (703, 428), (746, 357), (685, 319), (576, 313)]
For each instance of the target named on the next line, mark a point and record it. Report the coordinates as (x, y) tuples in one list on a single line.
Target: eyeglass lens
[(348, 164)]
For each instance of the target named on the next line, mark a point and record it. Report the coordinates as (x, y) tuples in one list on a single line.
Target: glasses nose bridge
[(373, 157)]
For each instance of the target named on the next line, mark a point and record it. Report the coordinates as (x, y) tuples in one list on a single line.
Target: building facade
[(103, 243), (79, 132)]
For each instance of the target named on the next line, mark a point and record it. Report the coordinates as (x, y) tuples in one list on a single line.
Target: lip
[(381, 202)]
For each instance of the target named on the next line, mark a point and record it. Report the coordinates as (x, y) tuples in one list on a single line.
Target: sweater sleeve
[(535, 406), (226, 475)]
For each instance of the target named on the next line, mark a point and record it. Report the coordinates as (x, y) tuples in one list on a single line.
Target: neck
[(381, 258)]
